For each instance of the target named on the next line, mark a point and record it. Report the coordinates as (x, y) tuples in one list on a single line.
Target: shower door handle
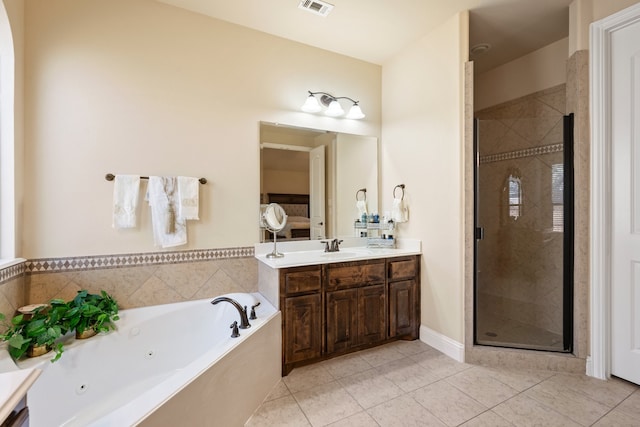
[(479, 233)]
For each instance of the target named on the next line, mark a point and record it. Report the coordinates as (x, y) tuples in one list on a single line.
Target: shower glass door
[(524, 233)]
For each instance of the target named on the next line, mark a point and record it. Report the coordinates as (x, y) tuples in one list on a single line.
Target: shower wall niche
[(523, 213)]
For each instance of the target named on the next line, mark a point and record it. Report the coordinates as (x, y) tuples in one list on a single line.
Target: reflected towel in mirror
[(362, 208)]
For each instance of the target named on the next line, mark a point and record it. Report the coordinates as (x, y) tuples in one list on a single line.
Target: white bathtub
[(173, 364)]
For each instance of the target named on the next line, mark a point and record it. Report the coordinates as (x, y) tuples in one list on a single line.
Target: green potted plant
[(90, 314), (37, 333)]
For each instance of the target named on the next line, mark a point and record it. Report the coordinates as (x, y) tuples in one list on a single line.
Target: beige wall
[(127, 86), (546, 67), (357, 168), (583, 12), (539, 70), (422, 148), (12, 128)]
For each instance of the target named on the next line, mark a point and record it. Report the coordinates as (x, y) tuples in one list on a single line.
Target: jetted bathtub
[(173, 364)]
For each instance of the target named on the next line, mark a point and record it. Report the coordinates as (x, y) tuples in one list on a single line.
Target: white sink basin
[(338, 255), (345, 254)]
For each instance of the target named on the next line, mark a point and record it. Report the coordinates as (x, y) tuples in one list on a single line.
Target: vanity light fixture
[(334, 109)]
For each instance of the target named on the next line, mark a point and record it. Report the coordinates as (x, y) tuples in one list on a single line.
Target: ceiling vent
[(318, 7)]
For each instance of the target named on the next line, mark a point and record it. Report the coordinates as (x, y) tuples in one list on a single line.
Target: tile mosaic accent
[(12, 272), (146, 285), (135, 280), (129, 260), (517, 154)]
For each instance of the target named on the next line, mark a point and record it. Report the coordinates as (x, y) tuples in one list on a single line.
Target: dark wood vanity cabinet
[(355, 304), (336, 308), (403, 275), (301, 305)]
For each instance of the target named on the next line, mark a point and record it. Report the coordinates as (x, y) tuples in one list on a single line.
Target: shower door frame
[(568, 238)]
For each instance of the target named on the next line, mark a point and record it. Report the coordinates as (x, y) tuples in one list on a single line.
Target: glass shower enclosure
[(524, 232)]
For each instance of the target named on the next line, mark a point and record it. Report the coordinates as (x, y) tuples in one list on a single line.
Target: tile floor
[(408, 383)]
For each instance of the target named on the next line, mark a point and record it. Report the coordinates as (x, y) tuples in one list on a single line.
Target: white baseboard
[(442, 343)]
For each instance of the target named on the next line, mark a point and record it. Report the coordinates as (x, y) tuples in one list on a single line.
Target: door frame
[(599, 362)]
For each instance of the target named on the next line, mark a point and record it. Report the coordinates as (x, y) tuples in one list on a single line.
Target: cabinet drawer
[(302, 280), (403, 269), (341, 276)]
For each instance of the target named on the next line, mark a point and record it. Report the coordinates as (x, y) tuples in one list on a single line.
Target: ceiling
[(375, 30)]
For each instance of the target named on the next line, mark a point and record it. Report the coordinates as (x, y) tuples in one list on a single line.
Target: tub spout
[(244, 320)]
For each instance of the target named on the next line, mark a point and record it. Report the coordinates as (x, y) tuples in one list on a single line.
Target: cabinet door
[(302, 328), (371, 314), (402, 308), (342, 318)]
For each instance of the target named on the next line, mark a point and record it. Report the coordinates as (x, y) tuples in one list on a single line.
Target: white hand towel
[(399, 211), (188, 194), (126, 189), (168, 229), (362, 207)]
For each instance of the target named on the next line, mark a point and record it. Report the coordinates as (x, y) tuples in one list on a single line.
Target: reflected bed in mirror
[(315, 174), (296, 207)]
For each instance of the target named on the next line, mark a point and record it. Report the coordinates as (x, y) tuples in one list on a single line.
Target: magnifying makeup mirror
[(273, 218)]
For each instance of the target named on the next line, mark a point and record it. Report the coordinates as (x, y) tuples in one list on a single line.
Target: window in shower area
[(522, 292), (514, 187), (557, 196)]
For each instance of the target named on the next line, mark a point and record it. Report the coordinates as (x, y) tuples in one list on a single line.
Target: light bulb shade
[(334, 109), (355, 112), (311, 105)]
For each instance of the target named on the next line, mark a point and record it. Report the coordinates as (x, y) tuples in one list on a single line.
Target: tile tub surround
[(135, 280), (408, 383), (12, 295)]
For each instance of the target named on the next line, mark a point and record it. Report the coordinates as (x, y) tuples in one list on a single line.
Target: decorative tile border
[(12, 272), (47, 265), (535, 151)]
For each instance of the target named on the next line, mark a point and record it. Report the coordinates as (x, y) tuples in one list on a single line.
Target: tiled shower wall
[(134, 280), (12, 291), (520, 260)]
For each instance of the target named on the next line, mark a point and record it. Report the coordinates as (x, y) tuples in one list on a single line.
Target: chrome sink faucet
[(244, 320), (331, 245)]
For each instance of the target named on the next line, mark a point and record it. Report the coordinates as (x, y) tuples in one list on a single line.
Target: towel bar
[(111, 177)]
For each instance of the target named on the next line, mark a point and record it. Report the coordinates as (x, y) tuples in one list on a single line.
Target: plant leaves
[(17, 341), (17, 319)]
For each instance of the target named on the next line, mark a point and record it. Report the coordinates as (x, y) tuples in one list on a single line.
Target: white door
[(316, 193), (625, 213)]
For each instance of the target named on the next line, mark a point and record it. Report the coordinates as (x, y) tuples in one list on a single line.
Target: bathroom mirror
[(314, 175)]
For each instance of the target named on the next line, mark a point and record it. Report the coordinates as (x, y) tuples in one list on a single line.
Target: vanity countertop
[(310, 252), (15, 385)]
